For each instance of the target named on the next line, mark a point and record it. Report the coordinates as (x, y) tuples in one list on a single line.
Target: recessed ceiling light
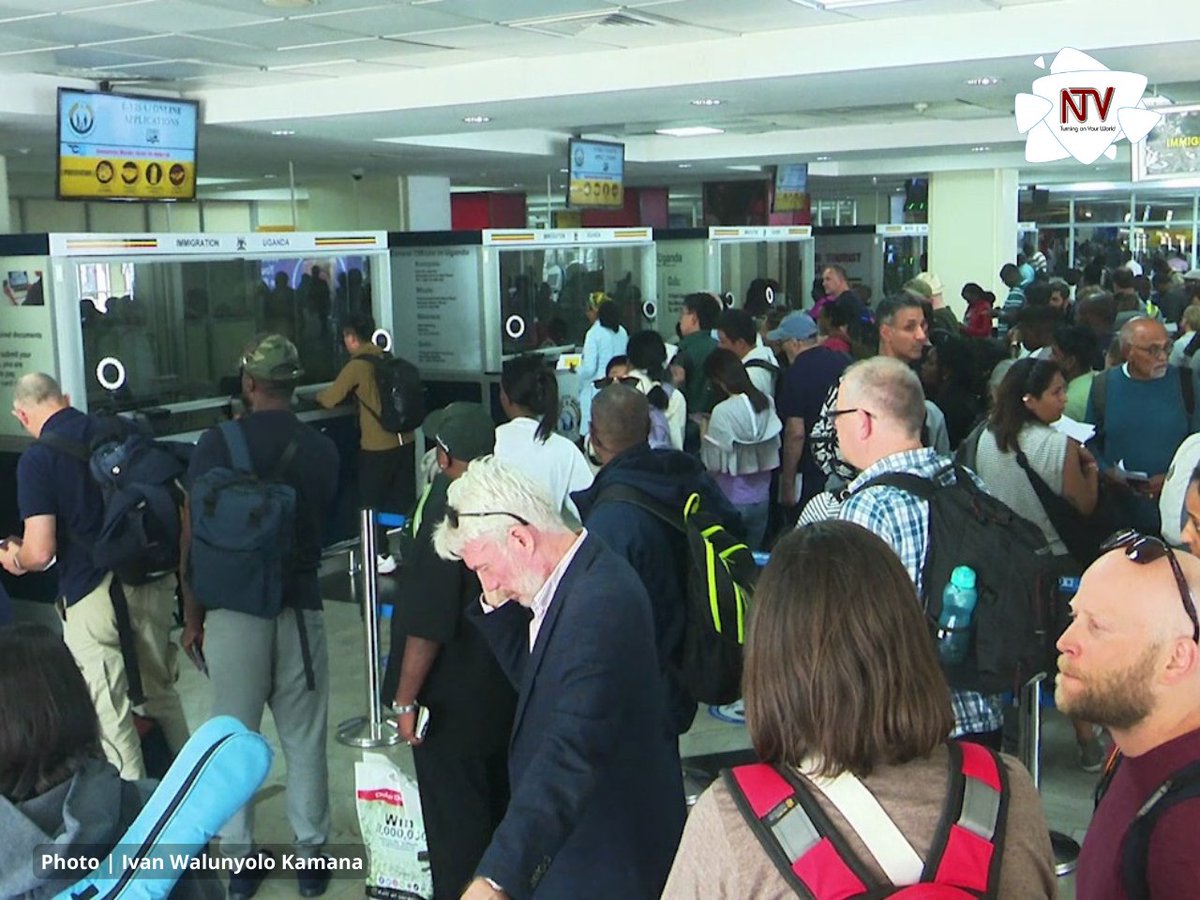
[(477, 120), (283, 132), (270, 175), (834, 5), (706, 101), (289, 4), (564, 171), (685, 165), (984, 81), (824, 158), (690, 131), (980, 149), (744, 168)]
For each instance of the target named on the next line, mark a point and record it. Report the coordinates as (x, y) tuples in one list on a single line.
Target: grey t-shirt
[(1046, 451)]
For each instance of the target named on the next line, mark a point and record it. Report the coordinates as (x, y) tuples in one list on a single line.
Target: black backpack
[(721, 572), (139, 480), (401, 394), (1135, 847), (1011, 631)]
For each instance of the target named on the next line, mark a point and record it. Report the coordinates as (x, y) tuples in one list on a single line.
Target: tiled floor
[(1066, 790)]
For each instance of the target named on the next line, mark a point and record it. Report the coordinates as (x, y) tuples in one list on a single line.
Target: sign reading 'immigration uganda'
[(118, 147)]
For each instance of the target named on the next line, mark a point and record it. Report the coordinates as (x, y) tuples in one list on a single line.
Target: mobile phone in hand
[(196, 655), (422, 726)]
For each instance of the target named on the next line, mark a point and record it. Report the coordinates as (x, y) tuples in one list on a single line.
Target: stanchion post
[(371, 730), (1066, 850)]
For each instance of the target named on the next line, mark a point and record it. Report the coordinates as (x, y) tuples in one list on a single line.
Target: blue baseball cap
[(796, 326)]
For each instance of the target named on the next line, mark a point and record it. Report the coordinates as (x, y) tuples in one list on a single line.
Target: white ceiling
[(383, 85)]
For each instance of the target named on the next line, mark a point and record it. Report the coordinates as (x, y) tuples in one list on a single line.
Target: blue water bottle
[(954, 624)]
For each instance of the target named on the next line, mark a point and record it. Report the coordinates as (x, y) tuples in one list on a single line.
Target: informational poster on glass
[(1172, 148), (597, 175), (682, 270), (26, 338), (122, 147), (438, 316), (791, 188)]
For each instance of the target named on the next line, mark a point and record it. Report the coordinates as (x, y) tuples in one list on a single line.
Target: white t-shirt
[(1046, 451), (762, 378), (557, 465)]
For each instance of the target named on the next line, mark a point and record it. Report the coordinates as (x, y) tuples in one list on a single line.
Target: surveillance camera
[(357, 174)]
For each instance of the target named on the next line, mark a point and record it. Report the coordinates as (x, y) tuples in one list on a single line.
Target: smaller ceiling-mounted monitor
[(791, 188), (596, 178), (125, 147)]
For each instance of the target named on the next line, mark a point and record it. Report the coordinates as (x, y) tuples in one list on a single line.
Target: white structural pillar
[(972, 229), (5, 214), (425, 203)]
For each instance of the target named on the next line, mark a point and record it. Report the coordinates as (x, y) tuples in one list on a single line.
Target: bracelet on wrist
[(403, 710)]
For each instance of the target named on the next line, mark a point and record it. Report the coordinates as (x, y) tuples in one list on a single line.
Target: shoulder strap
[(795, 833), (1188, 387), (1045, 495), (968, 845), (1135, 849), (285, 458), (629, 494), (1192, 346), (64, 445), (1110, 770), (239, 450), (924, 488), (1100, 396), (762, 364)]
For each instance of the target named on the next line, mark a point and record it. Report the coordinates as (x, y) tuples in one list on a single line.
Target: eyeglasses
[(834, 413), (453, 515), (1154, 349), (1144, 549), (601, 383)]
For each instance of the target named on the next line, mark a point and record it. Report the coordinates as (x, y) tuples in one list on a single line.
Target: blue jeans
[(754, 522)]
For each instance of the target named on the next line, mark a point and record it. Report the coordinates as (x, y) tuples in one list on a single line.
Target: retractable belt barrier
[(372, 730), (1029, 705)]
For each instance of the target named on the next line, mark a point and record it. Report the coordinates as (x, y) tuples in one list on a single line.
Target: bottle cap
[(963, 577)]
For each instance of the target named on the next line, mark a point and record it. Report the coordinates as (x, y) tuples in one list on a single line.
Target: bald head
[(35, 389), (890, 389), (620, 420), (36, 398), (1146, 348), (1129, 660)]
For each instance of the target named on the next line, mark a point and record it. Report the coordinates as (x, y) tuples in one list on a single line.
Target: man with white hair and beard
[(597, 803), (1130, 661)]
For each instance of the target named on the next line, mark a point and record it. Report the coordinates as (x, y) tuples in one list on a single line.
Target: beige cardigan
[(719, 856)]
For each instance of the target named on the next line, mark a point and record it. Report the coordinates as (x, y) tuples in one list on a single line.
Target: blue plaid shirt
[(902, 520)]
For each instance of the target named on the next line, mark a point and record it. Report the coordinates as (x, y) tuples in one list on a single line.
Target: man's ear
[(1183, 661)]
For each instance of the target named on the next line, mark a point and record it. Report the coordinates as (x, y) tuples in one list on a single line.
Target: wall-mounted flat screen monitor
[(125, 147), (596, 178), (791, 188)]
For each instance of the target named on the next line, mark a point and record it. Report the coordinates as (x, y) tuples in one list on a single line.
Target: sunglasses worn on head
[(1144, 549), (453, 515), (604, 382)]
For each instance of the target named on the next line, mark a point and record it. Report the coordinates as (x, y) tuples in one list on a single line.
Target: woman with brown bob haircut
[(841, 677)]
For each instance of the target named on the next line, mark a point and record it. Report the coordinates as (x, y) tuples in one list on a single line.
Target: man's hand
[(406, 724), (1151, 488), (479, 889), (495, 599), (192, 639), (8, 555)]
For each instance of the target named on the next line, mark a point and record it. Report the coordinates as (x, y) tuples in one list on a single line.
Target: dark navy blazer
[(597, 804)]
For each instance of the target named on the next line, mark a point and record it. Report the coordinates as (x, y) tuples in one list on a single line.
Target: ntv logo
[(1083, 92)]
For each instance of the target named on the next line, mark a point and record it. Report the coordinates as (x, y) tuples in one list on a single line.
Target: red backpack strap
[(796, 834), (969, 843)]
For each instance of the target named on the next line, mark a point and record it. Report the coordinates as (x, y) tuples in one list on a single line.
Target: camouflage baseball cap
[(272, 357)]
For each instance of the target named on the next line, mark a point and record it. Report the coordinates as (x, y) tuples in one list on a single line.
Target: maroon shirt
[(1174, 860)]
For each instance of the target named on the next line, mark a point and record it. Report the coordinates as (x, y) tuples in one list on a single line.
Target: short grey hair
[(493, 486), (891, 389), (35, 389), (1125, 335)]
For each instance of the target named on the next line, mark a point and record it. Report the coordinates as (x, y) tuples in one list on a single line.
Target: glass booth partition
[(741, 259), (174, 312)]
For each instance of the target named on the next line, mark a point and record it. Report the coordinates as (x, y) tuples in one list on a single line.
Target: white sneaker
[(385, 565)]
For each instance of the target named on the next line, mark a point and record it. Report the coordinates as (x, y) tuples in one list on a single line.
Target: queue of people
[(549, 609)]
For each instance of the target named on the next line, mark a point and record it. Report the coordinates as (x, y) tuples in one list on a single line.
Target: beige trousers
[(90, 632)]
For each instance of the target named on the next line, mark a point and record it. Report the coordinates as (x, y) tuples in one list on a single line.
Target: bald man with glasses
[(1142, 410), (1130, 661)]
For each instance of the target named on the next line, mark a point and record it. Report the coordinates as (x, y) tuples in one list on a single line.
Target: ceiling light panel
[(690, 131), (175, 16), (383, 21)]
